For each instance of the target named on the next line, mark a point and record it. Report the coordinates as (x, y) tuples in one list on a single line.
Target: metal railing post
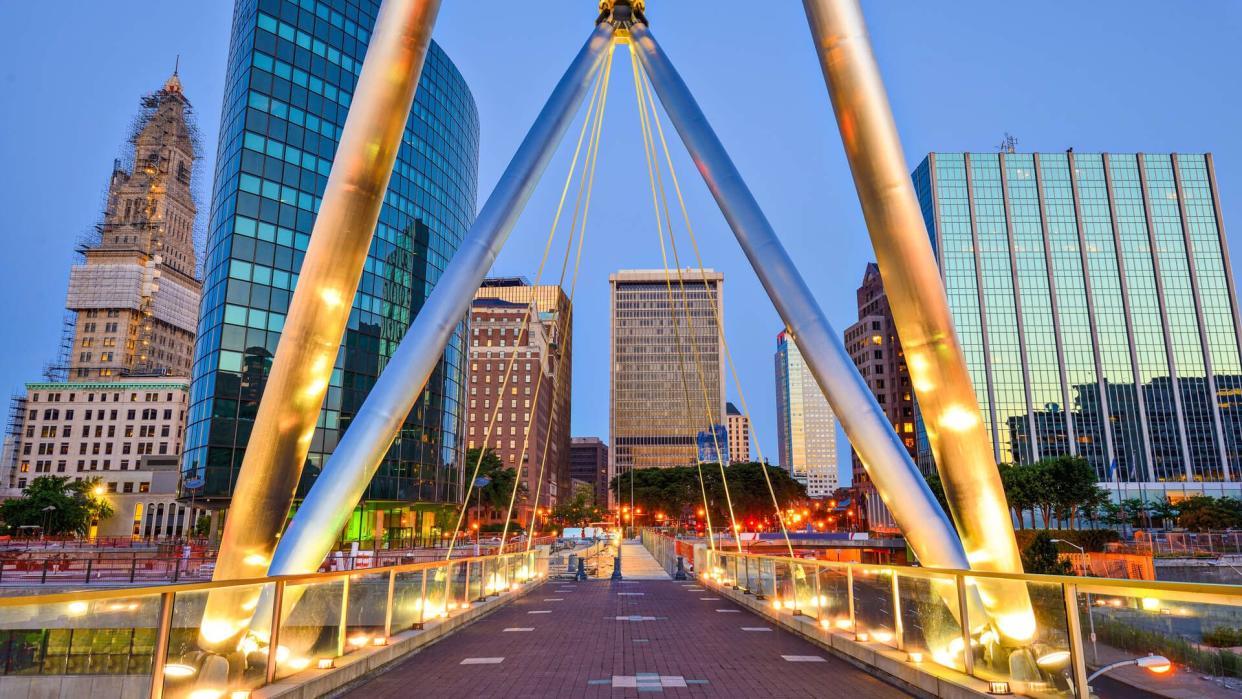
[(968, 653), (465, 594), (89, 565), (818, 602), (43, 576), (1078, 658), (422, 602), (482, 581), (392, 584), (160, 652), (273, 639), (849, 593), (344, 625), (898, 626)]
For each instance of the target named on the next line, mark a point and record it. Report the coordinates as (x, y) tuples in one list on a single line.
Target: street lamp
[(1157, 664), (1095, 654)]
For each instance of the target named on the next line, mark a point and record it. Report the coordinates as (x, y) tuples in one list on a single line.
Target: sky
[(1109, 75)]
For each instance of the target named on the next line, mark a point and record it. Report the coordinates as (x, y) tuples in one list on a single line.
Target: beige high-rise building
[(806, 426), (667, 367), (135, 295), (738, 426)]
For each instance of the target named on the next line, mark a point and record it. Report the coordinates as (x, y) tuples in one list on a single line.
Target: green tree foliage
[(60, 505), (677, 492), (1059, 489), (499, 491), (580, 510), (1207, 513), (1041, 557)]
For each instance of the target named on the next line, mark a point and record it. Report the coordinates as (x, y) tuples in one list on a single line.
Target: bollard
[(616, 567), (571, 562), (681, 569), (582, 576)]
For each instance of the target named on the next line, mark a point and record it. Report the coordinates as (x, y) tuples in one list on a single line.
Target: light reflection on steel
[(318, 312), (925, 524), (323, 513), (942, 385)]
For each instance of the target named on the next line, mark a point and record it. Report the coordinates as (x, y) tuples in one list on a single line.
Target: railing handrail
[(1198, 590), (91, 595)]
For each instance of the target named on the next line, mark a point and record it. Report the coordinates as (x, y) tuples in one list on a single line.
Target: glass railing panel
[(873, 605), (833, 608), (407, 600), (930, 629), (224, 654), (312, 626), (113, 637), (367, 610), (1030, 651), (1201, 633)]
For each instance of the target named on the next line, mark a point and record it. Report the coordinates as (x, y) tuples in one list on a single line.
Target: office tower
[(588, 462), (805, 424), (873, 345), (135, 295), (667, 368), (1093, 296), (290, 78), (499, 330), (738, 426), (553, 311)]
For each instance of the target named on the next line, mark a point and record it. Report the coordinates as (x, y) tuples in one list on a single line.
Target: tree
[(1042, 557), (498, 493), (1164, 511), (1204, 513), (577, 511), (58, 505)]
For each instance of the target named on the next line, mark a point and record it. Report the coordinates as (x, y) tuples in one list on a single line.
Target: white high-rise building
[(806, 426)]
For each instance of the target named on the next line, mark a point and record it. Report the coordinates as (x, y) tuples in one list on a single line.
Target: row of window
[(54, 414)]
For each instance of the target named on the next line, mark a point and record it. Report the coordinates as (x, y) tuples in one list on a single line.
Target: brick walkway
[(596, 639)]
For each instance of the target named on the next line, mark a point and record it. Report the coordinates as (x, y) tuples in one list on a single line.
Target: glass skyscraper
[(292, 68), (1094, 300)]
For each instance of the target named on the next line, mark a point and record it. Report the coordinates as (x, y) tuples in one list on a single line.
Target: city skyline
[(810, 168)]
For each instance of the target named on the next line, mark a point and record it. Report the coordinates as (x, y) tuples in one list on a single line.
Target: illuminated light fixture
[(862, 637), (299, 664), (915, 657), (77, 608), (325, 663), (1150, 604), (465, 605), (179, 670), (1154, 663), (359, 640), (999, 687), (379, 641), (776, 604), (452, 605), (959, 419), (239, 694), (1055, 660), (255, 559), (790, 604), (882, 636), (206, 693), (825, 624), (843, 623)]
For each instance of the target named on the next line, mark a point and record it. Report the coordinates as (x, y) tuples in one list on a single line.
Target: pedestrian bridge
[(513, 625)]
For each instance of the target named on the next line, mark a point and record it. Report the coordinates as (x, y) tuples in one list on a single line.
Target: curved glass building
[(292, 69)]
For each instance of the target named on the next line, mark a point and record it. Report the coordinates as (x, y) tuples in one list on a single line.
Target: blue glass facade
[(1095, 305), (292, 69)]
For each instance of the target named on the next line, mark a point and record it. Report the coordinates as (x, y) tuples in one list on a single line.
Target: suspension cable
[(585, 182), (587, 120), (653, 171), (715, 312), (563, 323)]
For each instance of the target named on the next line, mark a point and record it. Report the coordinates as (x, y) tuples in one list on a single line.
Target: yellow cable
[(716, 315), (526, 318), (563, 324), (653, 172), (592, 146)]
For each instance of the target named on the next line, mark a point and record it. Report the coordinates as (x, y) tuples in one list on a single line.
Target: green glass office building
[(292, 68), (1095, 303)]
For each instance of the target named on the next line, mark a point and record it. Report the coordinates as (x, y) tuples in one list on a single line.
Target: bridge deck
[(598, 639)]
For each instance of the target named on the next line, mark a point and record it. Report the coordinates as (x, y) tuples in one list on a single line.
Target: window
[(144, 487)]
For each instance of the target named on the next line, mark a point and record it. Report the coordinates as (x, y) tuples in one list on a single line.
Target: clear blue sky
[(1115, 75)]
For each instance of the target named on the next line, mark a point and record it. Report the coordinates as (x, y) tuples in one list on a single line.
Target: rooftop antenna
[(177, 65), (1009, 144)]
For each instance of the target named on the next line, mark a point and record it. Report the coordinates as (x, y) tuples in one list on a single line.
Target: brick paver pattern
[(598, 643)]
